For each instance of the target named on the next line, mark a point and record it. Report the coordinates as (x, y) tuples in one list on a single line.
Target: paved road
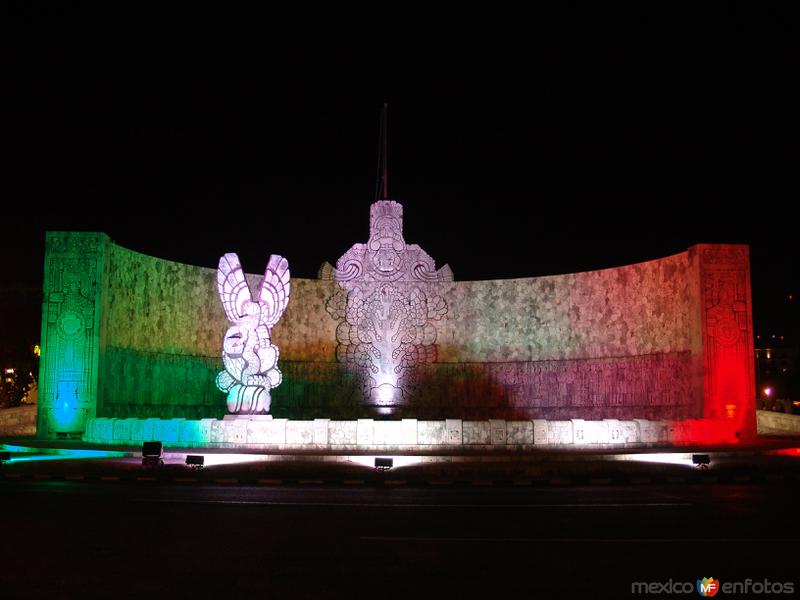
[(151, 540)]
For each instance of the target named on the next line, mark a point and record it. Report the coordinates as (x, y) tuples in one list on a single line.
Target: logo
[(707, 587)]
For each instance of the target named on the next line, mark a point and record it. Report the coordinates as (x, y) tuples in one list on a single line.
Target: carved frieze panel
[(727, 334), (70, 318), (386, 308)]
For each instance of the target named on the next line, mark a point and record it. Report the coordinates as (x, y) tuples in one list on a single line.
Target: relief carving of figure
[(249, 356), (386, 304)]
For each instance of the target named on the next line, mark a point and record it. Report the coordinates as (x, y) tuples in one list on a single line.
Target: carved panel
[(386, 256), (70, 336), (727, 335), (386, 310)]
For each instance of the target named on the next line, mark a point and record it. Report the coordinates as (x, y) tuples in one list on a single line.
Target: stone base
[(263, 432)]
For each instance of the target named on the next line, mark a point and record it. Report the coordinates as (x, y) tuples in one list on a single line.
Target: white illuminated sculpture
[(249, 356)]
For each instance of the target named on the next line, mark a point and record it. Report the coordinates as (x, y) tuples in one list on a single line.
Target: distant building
[(776, 378)]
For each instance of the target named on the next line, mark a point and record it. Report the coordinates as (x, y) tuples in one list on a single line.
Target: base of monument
[(264, 432)]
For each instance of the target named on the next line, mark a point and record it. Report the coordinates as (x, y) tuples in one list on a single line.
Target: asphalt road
[(151, 540)]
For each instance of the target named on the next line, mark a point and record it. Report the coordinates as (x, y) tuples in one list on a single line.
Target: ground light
[(701, 460), (4, 457), (195, 461), (383, 463), (152, 454)]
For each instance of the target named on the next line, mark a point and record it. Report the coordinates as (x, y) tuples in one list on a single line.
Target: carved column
[(70, 342), (727, 331)]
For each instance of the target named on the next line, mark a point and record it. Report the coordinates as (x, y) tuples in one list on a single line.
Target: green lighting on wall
[(31, 454)]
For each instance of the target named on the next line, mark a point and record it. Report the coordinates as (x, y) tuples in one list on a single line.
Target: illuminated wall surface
[(127, 335)]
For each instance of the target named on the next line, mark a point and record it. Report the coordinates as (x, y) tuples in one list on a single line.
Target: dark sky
[(564, 143)]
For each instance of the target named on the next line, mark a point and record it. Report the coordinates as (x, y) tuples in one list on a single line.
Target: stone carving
[(386, 307), (386, 256), (387, 334), (68, 394), (249, 356), (727, 325)]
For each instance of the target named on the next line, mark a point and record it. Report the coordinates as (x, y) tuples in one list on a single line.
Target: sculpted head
[(386, 226)]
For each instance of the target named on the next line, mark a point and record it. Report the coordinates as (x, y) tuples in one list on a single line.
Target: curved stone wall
[(615, 343), (621, 343)]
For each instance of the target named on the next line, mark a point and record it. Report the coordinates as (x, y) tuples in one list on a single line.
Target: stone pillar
[(71, 332), (727, 333)]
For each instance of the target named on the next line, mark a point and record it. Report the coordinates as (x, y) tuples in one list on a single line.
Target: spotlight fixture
[(701, 460), (383, 464), (195, 461), (4, 456), (151, 454)]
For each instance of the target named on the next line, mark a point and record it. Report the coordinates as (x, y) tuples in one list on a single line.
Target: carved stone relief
[(68, 393), (386, 308)]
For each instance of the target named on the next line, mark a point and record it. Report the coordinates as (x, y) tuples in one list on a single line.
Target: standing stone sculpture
[(249, 356), (386, 306)]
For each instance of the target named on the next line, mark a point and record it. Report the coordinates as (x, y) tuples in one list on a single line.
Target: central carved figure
[(249, 356), (385, 306)]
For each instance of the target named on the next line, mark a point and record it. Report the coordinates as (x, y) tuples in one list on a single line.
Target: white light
[(664, 458), (232, 459)]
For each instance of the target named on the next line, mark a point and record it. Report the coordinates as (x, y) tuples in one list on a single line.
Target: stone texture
[(453, 429), (622, 432), (410, 427), (234, 432), (653, 432), (142, 430), (364, 432), (519, 433), (387, 433), (431, 432), (343, 433), (300, 433), (476, 432), (275, 432), (774, 423), (122, 429), (498, 432), (321, 432), (559, 433), (217, 432), (107, 429), (539, 432), (263, 432), (590, 432), (18, 421)]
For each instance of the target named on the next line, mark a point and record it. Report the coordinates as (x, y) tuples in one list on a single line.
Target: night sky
[(584, 142)]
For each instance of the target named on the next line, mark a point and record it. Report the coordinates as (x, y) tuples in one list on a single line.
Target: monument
[(386, 308), (384, 351)]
